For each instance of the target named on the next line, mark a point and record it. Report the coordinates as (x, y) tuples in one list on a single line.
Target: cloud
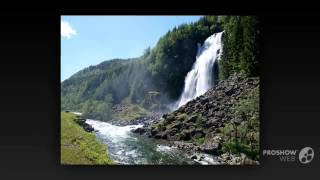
[(66, 30)]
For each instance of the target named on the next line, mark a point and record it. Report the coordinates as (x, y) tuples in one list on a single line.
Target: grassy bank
[(79, 146)]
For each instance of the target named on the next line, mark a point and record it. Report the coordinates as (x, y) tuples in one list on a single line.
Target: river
[(128, 148)]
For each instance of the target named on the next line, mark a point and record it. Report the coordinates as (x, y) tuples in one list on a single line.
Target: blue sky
[(89, 40)]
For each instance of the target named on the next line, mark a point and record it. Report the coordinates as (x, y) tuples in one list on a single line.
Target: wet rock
[(194, 156), (88, 127), (154, 131), (140, 130), (160, 135), (82, 122)]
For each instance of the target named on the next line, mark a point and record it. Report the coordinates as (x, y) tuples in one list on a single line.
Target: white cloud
[(66, 30)]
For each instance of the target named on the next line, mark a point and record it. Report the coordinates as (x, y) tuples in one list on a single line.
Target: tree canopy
[(162, 69)]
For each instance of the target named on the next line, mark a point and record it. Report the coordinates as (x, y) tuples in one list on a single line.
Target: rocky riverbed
[(195, 126), (146, 121)]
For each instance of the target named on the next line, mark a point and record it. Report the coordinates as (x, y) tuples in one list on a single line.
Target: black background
[(30, 99)]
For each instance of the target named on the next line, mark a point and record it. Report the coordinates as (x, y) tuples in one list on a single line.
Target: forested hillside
[(156, 78)]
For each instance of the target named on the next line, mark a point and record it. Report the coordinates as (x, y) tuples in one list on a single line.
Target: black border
[(29, 45)]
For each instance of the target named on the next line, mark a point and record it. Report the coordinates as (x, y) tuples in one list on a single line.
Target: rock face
[(199, 120)]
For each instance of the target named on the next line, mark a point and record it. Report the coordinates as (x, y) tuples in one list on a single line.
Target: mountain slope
[(224, 119), (156, 78)]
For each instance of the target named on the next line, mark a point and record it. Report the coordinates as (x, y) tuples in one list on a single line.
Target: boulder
[(198, 105), (211, 122), (204, 101), (194, 156), (175, 137), (185, 135), (211, 144), (192, 118), (197, 133), (80, 121), (88, 127), (160, 135), (154, 131), (175, 125), (169, 118), (140, 130), (171, 131), (219, 114), (236, 121), (190, 147)]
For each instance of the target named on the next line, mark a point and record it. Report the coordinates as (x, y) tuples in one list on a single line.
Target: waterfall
[(200, 79)]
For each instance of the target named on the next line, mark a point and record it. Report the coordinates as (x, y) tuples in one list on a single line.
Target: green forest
[(156, 78)]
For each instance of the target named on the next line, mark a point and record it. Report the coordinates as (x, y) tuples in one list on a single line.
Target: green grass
[(79, 147), (199, 141), (244, 137), (133, 112)]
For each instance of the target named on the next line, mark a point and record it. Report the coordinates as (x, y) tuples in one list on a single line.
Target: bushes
[(242, 134), (199, 141)]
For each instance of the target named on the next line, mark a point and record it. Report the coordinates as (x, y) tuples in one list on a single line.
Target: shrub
[(243, 137)]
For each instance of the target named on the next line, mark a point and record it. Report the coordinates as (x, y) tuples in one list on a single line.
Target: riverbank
[(79, 147), (223, 122), (128, 148)]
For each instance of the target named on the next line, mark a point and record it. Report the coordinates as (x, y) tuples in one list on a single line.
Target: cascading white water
[(125, 147), (200, 79)]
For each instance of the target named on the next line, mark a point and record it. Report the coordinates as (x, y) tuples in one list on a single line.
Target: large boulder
[(160, 135), (140, 130), (88, 127)]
